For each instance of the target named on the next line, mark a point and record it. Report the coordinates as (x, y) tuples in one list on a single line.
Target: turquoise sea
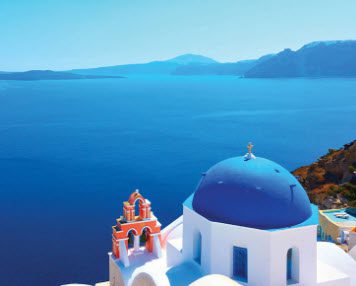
[(72, 151)]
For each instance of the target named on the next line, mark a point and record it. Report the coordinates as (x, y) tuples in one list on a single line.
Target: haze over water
[(72, 151)]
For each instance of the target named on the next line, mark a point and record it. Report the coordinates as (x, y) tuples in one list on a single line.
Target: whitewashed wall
[(267, 251)]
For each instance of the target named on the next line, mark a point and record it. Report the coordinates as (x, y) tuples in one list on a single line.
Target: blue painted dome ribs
[(253, 193)]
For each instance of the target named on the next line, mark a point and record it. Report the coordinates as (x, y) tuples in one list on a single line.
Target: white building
[(352, 238), (249, 222)]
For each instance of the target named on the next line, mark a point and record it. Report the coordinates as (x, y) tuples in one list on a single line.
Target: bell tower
[(136, 232)]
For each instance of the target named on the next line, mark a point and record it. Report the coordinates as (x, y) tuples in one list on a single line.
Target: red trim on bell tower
[(144, 223)]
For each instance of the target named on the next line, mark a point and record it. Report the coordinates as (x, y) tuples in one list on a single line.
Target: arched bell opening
[(131, 238)]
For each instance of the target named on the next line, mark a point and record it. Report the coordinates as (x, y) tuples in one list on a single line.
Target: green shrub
[(349, 191), (333, 192), (352, 169)]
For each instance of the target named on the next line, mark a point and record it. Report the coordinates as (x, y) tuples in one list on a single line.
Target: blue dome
[(256, 193)]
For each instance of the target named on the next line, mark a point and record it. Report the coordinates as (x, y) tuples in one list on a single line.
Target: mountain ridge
[(192, 59), (187, 64), (313, 60), (153, 67), (316, 59)]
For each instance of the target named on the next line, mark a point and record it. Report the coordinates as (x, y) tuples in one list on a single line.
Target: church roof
[(252, 192)]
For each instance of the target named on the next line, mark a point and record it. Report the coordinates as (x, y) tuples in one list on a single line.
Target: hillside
[(188, 59), (155, 67), (46, 75), (188, 64), (238, 68), (331, 180), (317, 59), (148, 68)]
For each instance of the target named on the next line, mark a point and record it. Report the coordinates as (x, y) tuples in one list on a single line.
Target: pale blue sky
[(64, 34)]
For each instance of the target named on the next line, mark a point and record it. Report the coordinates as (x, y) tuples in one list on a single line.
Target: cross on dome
[(249, 154), (249, 147)]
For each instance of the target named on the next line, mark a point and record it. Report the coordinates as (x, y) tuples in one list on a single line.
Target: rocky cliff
[(317, 59), (331, 180)]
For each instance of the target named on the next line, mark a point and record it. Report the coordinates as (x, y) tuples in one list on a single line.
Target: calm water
[(72, 151)]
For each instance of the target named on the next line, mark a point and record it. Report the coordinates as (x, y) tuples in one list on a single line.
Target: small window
[(292, 266), (197, 248), (240, 264), (289, 266)]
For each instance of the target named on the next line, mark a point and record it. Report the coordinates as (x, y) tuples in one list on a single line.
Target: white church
[(249, 222)]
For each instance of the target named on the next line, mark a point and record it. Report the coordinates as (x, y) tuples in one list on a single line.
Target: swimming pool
[(331, 215)]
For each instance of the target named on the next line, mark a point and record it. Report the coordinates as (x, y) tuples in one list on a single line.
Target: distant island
[(317, 59), (331, 180), (188, 64), (156, 67), (48, 75)]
